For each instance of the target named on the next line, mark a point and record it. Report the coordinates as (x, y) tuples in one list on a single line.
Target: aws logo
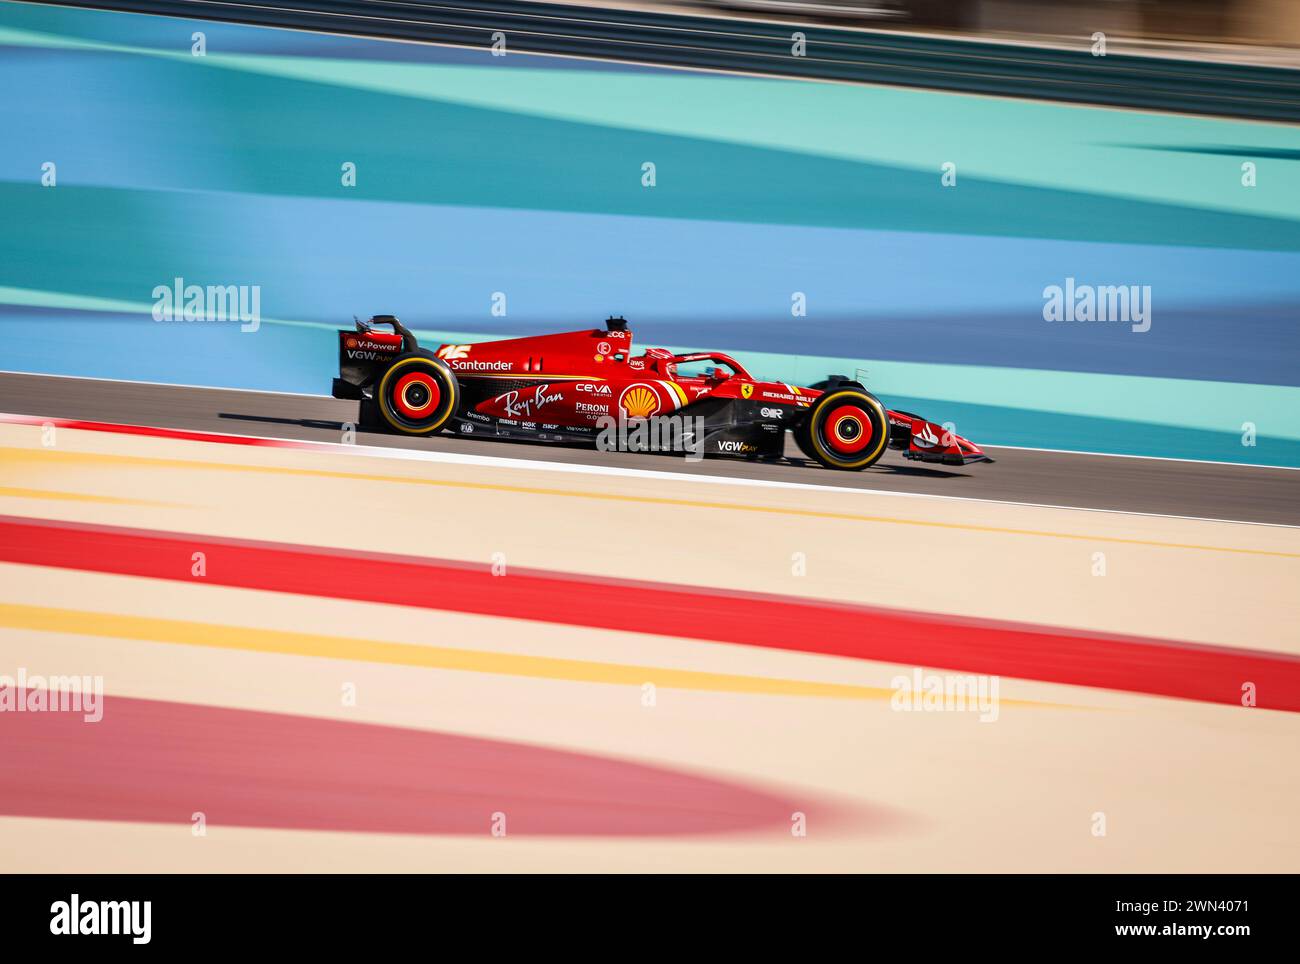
[(639, 401)]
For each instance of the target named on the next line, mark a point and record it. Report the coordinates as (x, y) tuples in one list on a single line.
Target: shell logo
[(639, 401)]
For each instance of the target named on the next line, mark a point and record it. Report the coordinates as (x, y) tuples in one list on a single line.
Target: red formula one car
[(587, 386)]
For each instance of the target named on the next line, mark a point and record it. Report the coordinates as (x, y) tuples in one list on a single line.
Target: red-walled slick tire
[(417, 395), (847, 428)]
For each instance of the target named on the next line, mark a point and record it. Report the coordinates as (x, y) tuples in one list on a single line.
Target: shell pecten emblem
[(639, 401)]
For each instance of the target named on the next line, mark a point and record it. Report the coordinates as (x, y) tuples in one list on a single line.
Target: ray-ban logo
[(181, 302), (130, 917)]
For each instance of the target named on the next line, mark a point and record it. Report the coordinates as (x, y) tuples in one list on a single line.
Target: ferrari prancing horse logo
[(746, 391)]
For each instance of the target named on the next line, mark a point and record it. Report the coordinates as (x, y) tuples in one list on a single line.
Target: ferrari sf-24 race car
[(575, 386)]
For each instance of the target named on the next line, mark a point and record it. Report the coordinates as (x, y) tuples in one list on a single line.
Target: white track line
[(124, 381), (1152, 458), (582, 468)]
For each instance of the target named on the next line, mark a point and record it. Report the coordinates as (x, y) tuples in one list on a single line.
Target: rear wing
[(389, 321), (364, 352)]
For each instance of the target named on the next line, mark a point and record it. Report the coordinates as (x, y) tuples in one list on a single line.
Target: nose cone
[(970, 452), (934, 443)]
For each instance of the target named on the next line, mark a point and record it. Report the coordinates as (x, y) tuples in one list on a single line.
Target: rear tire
[(417, 394), (847, 429)]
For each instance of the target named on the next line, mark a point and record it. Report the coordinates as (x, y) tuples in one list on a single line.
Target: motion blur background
[(1217, 22), (303, 644), (521, 175)]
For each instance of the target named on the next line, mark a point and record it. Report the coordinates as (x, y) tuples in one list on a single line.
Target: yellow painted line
[(13, 492), (148, 629), (17, 454)]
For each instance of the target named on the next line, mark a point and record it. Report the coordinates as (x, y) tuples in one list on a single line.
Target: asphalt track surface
[(1237, 493)]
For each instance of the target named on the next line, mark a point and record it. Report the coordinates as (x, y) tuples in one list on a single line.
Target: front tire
[(847, 429), (417, 394)]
